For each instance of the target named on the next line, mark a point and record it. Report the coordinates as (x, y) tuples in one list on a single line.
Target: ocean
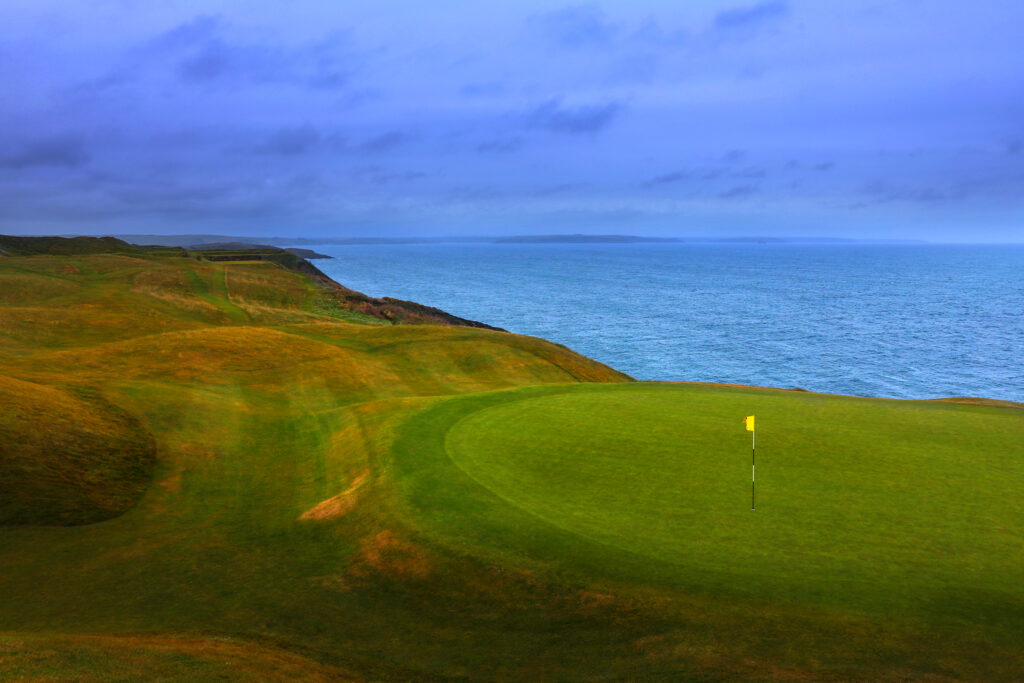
[(899, 321)]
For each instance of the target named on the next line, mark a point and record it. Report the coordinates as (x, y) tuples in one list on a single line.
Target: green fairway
[(908, 507)]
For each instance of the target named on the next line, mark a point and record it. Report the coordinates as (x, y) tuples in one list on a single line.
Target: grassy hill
[(292, 487)]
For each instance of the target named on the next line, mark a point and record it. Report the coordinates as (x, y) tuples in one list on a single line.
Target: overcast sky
[(888, 118)]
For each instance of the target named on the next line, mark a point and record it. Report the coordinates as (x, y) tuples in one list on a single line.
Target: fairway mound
[(975, 401), (525, 359), (22, 288), (154, 657), (65, 460), (339, 505), (13, 245), (201, 354), (77, 325), (390, 556)]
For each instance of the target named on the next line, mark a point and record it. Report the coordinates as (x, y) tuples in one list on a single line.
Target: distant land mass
[(581, 239), (217, 241)]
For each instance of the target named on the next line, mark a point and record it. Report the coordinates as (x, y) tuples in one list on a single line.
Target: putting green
[(860, 501)]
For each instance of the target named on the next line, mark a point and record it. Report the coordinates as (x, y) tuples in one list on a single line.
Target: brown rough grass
[(339, 505), (134, 657), (387, 554), (65, 460)]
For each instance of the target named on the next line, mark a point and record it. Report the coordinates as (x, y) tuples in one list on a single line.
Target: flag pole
[(753, 457)]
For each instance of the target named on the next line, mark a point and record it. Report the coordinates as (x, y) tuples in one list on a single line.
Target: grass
[(74, 459), (910, 510), (112, 658), (327, 499)]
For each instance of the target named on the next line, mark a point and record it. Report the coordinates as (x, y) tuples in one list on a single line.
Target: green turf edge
[(448, 507)]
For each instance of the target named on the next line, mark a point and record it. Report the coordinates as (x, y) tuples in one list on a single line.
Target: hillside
[(72, 323), (216, 467)]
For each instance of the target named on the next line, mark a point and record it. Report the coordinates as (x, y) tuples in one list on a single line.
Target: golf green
[(861, 503)]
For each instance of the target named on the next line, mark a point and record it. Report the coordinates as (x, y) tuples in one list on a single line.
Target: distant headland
[(575, 238)]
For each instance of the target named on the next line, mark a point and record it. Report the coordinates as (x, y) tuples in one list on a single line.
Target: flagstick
[(753, 457)]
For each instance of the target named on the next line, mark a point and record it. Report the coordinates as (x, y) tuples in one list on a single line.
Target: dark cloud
[(65, 150), (101, 84), (751, 72), (881, 191), (490, 89), (211, 61), (751, 16), (738, 192), (291, 141), (196, 30), (475, 193), (175, 197), (1014, 147), (552, 116), (500, 145), (378, 175), (386, 141), (749, 172), (202, 53), (652, 32), (824, 166), (666, 179), (589, 217), (703, 174), (360, 96), (575, 26), (734, 155), (330, 64), (560, 188), (634, 67)]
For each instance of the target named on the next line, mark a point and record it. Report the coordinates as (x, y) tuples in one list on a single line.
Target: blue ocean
[(900, 321)]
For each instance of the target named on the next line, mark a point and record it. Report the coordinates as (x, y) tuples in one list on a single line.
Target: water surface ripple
[(903, 321)]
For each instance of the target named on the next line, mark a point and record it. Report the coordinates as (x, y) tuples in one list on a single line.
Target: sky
[(866, 119)]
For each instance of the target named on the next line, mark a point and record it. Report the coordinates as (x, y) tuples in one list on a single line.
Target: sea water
[(902, 321)]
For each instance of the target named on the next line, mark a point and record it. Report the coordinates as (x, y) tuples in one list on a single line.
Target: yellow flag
[(749, 421)]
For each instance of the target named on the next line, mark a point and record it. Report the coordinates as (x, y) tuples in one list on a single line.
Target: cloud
[(378, 175), (881, 191), (66, 150), (666, 179), (196, 30), (651, 32), (575, 26), (560, 188), (738, 192), (297, 140), (291, 141), (202, 52), (751, 16), (1015, 147), (749, 172), (490, 89), (209, 62), (386, 141), (702, 174), (500, 145), (552, 116)]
